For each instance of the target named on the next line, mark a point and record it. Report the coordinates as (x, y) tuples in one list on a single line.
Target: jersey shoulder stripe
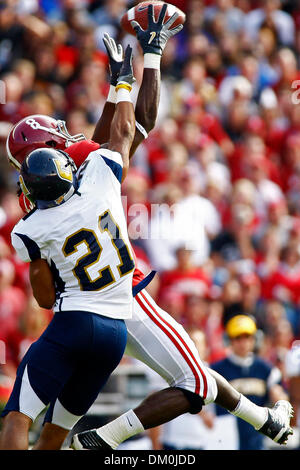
[(111, 155), (113, 160), (115, 168), (33, 249), (109, 158)]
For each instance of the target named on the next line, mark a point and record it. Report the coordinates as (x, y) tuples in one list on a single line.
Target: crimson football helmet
[(34, 132)]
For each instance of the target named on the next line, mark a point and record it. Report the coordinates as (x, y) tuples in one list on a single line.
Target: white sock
[(248, 411), (120, 429)]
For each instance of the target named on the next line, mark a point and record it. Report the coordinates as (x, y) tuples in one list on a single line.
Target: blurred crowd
[(223, 159)]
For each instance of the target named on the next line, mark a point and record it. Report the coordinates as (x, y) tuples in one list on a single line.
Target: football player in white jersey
[(78, 228), (154, 337)]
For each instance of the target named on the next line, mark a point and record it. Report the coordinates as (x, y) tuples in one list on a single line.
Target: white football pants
[(156, 339)]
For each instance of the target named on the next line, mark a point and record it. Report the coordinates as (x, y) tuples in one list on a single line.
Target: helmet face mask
[(62, 127), (37, 131), (47, 177)]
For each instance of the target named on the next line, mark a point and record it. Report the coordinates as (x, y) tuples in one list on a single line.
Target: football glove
[(126, 71), (154, 39), (115, 55)]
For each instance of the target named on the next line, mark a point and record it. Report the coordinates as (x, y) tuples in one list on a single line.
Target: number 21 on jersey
[(94, 250)]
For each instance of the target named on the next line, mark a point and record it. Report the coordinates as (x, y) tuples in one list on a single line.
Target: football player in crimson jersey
[(153, 336)]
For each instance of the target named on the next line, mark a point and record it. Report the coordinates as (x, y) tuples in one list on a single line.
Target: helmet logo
[(33, 123), (63, 171)]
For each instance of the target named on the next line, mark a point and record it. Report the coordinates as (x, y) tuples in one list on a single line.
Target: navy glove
[(115, 54), (126, 72), (155, 38)]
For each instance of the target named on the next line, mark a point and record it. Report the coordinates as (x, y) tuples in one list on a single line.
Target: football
[(139, 13)]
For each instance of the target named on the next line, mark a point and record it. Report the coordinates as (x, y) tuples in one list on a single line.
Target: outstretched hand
[(154, 39), (126, 71), (115, 55)]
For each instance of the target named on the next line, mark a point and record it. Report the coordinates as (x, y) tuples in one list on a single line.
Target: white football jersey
[(85, 241)]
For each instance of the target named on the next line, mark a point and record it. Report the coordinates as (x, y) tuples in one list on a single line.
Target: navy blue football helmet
[(47, 177)]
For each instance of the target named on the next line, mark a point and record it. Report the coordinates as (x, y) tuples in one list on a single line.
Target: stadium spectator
[(12, 299), (271, 14), (187, 278), (234, 17), (253, 376), (192, 221)]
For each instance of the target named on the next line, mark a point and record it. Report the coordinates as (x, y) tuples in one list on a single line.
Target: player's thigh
[(91, 374), (155, 338), (40, 377), (50, 362), (105, 353)]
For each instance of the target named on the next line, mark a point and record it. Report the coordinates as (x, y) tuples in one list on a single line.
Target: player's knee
[(212, 388), (208, 389), (59, 416), (15, 419), (196, 402)]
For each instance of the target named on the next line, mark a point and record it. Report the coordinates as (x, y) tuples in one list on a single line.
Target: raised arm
[(149, 93), (153, 41), (123, 123), (115, 54)]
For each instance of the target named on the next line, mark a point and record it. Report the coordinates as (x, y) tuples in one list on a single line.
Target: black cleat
[(277, 427), (89, 440)]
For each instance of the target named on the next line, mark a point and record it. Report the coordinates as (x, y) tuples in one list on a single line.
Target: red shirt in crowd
[(194, 281)]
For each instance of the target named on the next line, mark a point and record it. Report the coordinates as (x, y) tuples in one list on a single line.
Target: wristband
[(112, 94), (123, 95), (152, 61), (124, 85)]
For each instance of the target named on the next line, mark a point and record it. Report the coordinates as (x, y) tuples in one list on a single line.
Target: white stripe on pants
[(156, 339)]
